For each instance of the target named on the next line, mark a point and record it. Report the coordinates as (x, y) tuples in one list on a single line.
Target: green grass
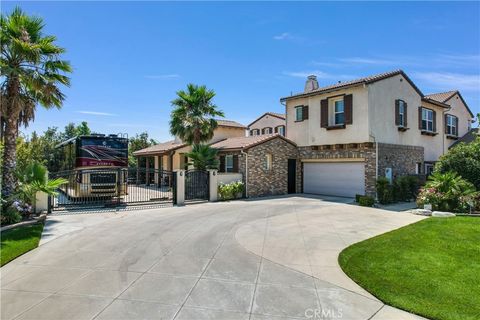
[(17, 241), (431, 268)]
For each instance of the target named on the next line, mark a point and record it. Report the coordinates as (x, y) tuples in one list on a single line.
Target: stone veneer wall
[(360, 150), (274, 181), (402, 159)]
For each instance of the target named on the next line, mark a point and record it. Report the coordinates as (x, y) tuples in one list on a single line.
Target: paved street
[(263, 259)]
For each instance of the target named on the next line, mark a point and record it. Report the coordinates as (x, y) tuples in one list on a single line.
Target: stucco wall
[(228, 177), (459, 110), (267, 121), (309, 132), (382, 96), (227, 132)]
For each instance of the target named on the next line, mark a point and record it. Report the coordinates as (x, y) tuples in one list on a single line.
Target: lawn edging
[(40, 218)]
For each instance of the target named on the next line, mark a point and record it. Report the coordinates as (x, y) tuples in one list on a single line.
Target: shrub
[(366, 201), (448, 192), (357, 197), (10, 215), (231, 190), (384, 190), (463, 159)]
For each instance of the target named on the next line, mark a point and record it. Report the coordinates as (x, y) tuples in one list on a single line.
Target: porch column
[(147, 171), (156, 163)]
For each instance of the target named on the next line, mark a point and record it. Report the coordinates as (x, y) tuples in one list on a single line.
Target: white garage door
[(335, 179)]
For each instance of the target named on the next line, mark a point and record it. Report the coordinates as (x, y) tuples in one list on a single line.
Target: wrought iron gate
[(112, 187), (196, 185)]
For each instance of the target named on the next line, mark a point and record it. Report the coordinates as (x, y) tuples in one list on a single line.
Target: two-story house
[(350, 133), (268, 123)]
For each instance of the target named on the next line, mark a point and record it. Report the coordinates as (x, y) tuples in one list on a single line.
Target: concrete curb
[(35, 220)]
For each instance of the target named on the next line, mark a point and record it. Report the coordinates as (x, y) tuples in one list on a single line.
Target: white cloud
[(163, 76), (284, 36), (96, 113), (320, 74), (450, 81), (370, 61)]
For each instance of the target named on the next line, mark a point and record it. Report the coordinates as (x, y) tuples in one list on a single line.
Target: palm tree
[(32, 71), (193, 119), (203, 157)]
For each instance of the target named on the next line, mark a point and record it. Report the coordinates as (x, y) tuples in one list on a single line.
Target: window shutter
[(305, 112), (222, 164), (263, 131), (445, 123), (324, 113), (456, 126), (397, 112), (434, 121), (348, 102), (405, 117), (420, 118), (251, 132), (276, 129), (235, 163)]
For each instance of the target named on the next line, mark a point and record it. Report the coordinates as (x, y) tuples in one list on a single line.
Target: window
[(427, 119), (339, 112), (267, 130), (229, 163), (451, 123), (281, 130), (267, 162), (418, 169), (401, 113), (299, 113)]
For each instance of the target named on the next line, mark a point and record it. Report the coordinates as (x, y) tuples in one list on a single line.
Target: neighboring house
[(352, 132), (170, 155), (268, 123), (267, 163), (469, 137)]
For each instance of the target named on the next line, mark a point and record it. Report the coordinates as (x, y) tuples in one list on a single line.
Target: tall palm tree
[(193, 119), (32, 71), (203, 157)]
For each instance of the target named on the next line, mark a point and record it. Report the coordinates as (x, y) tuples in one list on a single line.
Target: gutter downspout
[(246, 171)]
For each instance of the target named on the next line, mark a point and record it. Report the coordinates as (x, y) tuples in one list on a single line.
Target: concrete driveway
[(264, 259)]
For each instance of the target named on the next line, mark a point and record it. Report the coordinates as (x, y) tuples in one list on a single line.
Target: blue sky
[(130, 58)]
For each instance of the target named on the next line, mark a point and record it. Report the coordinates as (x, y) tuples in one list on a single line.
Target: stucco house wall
[(309, 132), (267, 121), (458, 109)]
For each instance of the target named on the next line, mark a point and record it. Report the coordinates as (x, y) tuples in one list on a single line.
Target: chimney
[(311, 84)]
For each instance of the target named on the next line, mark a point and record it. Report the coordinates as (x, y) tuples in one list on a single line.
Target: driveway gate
[(112, 188), (196, 185)]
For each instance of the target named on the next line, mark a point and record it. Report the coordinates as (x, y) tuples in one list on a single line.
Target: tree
[(32, 73), (203, 157), (140, 141), (464, 159), (193, 118)]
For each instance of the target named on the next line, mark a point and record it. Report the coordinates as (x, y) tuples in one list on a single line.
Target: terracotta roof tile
[(366, 80), (246, 142), (159, 148), (230, 123), (441, 96)]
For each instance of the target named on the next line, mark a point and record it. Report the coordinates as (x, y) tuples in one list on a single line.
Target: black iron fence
[(112, 187), (196, 185)]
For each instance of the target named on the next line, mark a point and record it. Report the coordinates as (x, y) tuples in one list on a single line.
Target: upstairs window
[(267, 130), (451, 125), (299, 113), (401, 113), (427, 120), (281, 130), (339, 112)]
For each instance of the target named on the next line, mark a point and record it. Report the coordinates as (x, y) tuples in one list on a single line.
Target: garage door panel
[(337, 179)]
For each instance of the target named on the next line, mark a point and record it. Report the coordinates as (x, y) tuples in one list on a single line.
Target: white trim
[(334, 160)]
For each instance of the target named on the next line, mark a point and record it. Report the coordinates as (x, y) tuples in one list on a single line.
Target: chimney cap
[(312, 77)]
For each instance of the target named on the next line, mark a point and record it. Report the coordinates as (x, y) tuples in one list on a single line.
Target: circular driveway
[(260, 259)]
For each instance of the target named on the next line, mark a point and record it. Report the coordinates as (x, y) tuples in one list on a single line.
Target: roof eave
[(435, 102)]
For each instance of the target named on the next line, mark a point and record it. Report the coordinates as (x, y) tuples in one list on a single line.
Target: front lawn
[(17, 241), (431, 268)]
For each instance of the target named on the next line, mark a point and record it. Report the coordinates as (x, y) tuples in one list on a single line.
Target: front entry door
[(292, 166)]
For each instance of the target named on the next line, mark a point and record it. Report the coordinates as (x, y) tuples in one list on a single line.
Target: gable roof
[(230, 123), (273, 114), (160, 148), (468, 137), (244, 143), (353, 83), (445, 96)]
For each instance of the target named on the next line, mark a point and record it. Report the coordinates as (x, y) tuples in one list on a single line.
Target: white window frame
[(267, 162), (451, 127), (281, 130), (268, 130), (229, 167), (425, 119), (401, 113), (335, 112), (297, 109)]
